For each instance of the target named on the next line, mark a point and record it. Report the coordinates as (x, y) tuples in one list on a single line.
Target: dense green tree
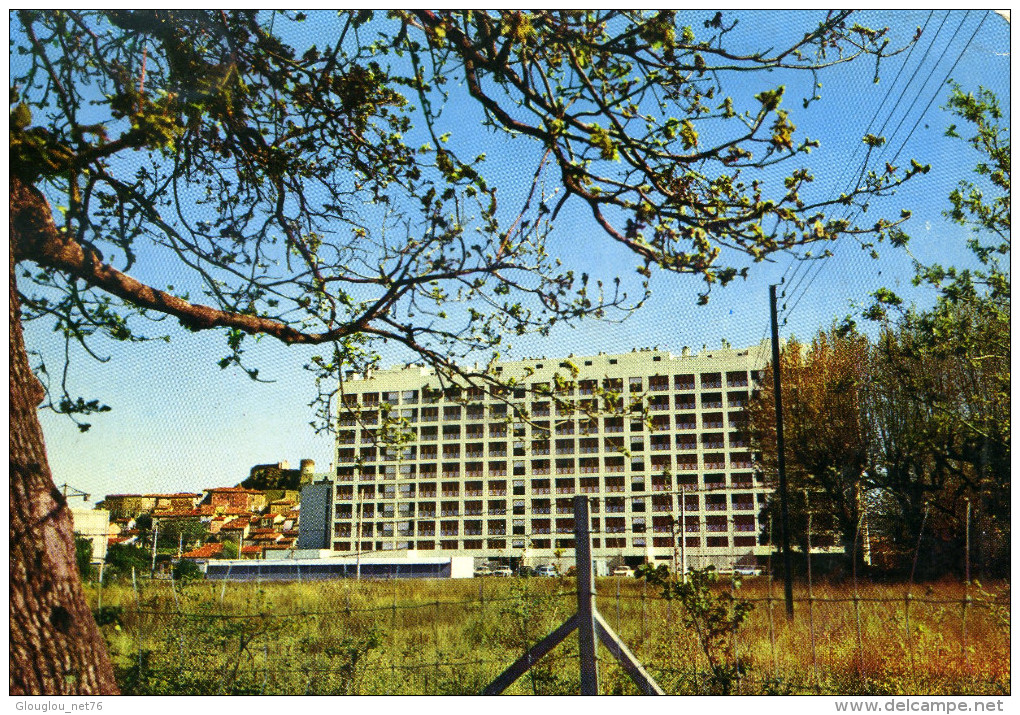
[(230, 550), (940, 399), (83, 556), (174, 532), (124, 557), (143, 522), (186, 570), (928, 460), (215, 141)]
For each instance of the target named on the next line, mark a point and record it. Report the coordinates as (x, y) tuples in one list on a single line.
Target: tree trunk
[(56, 647)]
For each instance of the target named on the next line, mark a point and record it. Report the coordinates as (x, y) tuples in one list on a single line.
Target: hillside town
[(256, 519)]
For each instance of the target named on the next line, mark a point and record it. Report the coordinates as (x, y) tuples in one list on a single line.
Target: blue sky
[(180, 423)]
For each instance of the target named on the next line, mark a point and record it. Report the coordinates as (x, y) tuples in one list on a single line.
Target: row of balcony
[(690, 505), (685, 419), (350, 456), (429, 530), (452, 461), (544, 526), (488, 545), (588, 485), (635, 384), (613, 489)]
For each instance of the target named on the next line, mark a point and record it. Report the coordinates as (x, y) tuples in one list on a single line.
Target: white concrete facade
[(93, 524), (472, 479)]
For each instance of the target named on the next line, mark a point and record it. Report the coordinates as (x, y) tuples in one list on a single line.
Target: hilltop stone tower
[(307, 471)]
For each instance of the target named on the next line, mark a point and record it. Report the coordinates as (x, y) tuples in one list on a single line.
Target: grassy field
[(447, 637)]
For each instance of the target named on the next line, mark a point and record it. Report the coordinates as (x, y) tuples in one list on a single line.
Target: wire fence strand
[(412, 636)]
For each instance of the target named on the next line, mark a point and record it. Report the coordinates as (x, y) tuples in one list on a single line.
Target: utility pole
[(587, 645), (357, 551), (683, 534), (673, 534), (155, 539), (676, 547), (966, 548), (784, 508), (65, 488)]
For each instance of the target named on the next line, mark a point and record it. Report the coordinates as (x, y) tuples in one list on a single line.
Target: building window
[(683, 382), (711, 380)]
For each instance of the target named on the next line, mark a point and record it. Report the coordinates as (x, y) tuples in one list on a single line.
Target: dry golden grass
[(456, 636)]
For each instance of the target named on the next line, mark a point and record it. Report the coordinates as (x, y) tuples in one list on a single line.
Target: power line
[(799, 263), (926, 79), (946, 79), (903, 93), (808, 278), (917, 123), (913, 46)]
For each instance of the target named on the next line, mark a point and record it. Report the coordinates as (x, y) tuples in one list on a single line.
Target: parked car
[(483, 571), (747, 570), (503, 572), (547, 570), (622, 571)]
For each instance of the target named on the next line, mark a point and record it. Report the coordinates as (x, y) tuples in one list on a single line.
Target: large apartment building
[(473, 478)]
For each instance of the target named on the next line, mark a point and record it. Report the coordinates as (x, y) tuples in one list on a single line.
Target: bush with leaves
[(83, 555), (714, 616), (121, 558), (187, 570)]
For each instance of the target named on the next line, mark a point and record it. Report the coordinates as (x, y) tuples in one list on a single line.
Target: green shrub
[(186, 570)]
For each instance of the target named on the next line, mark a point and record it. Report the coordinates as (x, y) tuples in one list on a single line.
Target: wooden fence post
[(587, 645), (588, 622)]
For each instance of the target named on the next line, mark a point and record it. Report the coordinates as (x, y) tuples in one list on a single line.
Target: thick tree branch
[(36, 238)]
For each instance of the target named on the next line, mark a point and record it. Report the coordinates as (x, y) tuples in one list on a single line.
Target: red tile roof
[(205, 551), (234, 512), (190, 495), (175, 513), (251, 549)]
